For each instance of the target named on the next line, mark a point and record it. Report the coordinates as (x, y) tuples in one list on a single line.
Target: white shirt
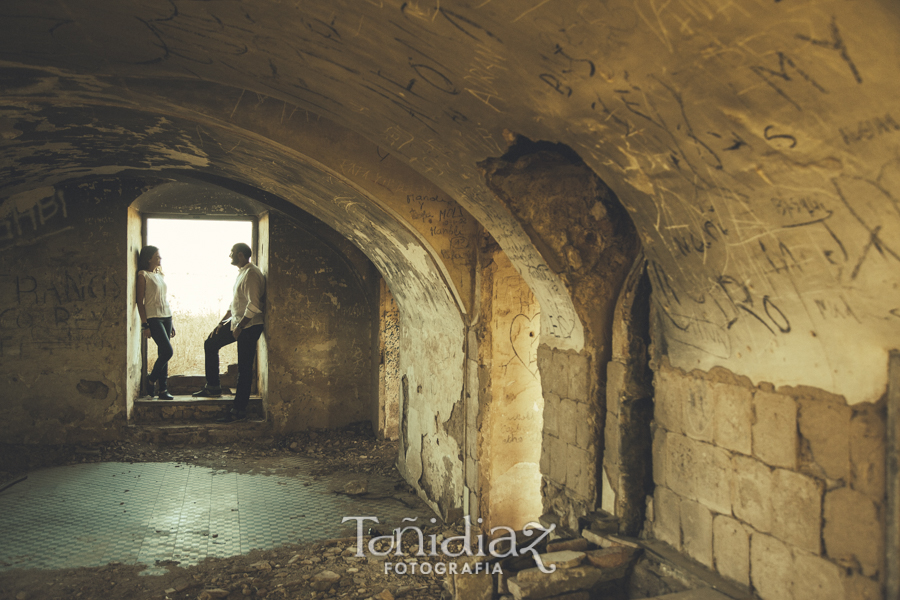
[(155, 303), (249, 297)]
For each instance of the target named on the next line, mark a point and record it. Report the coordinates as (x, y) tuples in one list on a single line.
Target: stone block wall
[(569, 450), (780, 490)]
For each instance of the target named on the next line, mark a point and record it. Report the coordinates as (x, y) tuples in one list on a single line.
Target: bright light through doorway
[(200, 278)]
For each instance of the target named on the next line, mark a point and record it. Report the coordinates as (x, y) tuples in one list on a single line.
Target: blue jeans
[(161, 331), (246, 351)]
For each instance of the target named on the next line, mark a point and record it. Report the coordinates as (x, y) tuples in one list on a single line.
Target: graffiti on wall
[(32, 215), (66, 309)]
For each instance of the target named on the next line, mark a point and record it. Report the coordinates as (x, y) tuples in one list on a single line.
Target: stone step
[(188, 384), (188, 410), (208, 433)]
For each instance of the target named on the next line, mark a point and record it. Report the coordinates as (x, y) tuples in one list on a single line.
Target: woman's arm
[(140, 291)]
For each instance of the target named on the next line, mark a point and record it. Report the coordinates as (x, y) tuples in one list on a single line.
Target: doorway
[(199, 277)]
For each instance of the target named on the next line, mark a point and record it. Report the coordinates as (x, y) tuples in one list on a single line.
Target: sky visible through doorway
[(198, 272), (200, 279)]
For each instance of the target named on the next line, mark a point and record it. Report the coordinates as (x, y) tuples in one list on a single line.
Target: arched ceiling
[(755, 144)]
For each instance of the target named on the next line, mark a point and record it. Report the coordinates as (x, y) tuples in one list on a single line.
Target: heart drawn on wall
[(523, 335)]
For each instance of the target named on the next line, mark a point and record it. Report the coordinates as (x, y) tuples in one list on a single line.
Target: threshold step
[(189, 409), (191, 433)]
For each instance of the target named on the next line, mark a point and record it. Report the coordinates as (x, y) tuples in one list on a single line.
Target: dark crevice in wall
[(635, 409), (404, 414)]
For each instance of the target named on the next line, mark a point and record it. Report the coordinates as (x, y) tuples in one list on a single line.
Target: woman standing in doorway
[(156, 317)]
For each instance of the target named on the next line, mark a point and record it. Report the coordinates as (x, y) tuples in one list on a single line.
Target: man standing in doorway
[(243, 323)]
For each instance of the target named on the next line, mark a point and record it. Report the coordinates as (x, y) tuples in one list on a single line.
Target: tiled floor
[(92, 514)]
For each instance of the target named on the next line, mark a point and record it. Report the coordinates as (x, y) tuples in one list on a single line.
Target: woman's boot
[(164, 391)]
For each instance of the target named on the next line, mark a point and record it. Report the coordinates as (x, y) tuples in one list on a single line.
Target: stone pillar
[(511, 404)]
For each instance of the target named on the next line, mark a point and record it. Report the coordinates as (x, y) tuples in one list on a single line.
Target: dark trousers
[(161, 331), (246, 357)]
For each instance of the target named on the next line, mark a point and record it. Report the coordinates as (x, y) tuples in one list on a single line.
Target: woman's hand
[(173, 332), (146, 332)]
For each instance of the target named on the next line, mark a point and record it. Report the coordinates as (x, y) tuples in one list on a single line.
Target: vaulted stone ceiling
[(754, 144)]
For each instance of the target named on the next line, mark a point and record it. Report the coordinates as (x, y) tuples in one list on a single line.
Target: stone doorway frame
[(136, 239)]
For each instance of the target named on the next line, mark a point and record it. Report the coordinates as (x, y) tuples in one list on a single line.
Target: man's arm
[(222, 322)]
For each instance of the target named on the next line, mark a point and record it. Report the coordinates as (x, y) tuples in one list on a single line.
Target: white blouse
[(155, 302)]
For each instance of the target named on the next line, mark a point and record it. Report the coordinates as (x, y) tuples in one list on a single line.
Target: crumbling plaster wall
[(320, 314), (779, 488), (432, 415), (64, 313), (134, 358)]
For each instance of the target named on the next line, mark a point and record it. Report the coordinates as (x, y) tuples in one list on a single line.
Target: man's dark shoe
[(208, 392), (232, 417), (165, 395)]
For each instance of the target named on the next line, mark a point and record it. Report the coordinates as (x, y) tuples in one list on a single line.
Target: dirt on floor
[(352, 449), (326, 569)]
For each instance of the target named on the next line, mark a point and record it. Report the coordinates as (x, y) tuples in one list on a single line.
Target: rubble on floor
[(571, 568), (593, 564)]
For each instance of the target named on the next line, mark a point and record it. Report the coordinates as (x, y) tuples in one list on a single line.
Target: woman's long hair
[(144, 257)]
